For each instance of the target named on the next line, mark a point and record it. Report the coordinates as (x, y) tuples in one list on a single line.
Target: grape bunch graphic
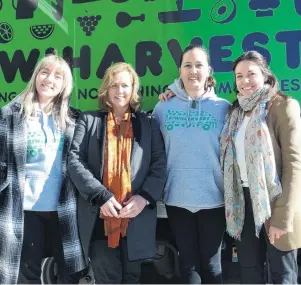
[(88, 23)]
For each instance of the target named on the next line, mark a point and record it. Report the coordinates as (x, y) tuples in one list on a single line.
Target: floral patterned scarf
[(264, 184), (117, 172)]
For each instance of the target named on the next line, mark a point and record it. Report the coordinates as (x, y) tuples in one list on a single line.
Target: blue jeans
[(254, 253), (198, 237)]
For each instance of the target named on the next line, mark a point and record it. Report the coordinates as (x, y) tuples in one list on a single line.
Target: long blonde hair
[(107, 83), (59, 107)]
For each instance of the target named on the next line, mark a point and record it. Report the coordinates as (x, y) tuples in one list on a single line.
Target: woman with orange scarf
[(118, 164)]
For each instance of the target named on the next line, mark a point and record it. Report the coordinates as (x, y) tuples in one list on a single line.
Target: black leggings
[(253, 253), (41, 238), (199, 238), (111, 265)]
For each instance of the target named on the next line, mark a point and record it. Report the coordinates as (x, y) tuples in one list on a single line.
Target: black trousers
[(111, 265), (199, 238), (42, 238), (253, 253)]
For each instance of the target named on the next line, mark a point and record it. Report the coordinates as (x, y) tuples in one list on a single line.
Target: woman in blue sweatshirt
[(191, 123)]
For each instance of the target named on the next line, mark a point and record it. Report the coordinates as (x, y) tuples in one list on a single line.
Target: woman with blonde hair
[(117, 162), (37, 210)]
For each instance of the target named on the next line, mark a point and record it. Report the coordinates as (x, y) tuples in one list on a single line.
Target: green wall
[(152, 42)]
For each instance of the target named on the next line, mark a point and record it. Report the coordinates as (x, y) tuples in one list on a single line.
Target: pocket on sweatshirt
[(219, 179), (193, 186)]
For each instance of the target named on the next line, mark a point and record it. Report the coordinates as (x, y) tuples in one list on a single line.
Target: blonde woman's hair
[(107, 83), (59, 107)]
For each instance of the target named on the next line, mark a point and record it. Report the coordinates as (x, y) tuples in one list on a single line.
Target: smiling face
[(49, 83), (248, 77), (121, 90), (194, 70)]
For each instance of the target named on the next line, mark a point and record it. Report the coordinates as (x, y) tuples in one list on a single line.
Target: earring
[(181, 83), (206, 84)]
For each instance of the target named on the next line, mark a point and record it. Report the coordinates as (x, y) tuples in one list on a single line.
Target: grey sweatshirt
[(191, 130)]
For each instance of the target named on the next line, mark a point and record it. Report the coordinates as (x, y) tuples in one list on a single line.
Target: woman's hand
[(108, 209), (166, 95), (275, 233), (133, 207)]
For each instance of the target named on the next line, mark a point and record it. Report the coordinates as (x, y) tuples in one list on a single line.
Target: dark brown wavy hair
[(269, 77)]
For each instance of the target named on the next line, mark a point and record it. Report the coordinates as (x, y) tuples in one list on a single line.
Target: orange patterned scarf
[(117, 172)]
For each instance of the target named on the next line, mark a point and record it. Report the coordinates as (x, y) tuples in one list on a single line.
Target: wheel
[(50, 273)]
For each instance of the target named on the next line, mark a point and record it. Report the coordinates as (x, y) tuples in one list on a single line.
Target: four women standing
[(117, 163)]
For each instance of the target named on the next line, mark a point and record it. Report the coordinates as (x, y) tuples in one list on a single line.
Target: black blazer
[(148, 176)]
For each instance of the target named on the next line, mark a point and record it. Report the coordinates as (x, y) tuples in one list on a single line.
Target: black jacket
[(148, 175)]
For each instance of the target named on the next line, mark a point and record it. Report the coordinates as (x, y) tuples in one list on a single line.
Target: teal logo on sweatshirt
[(178, 119), (36, 144)]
